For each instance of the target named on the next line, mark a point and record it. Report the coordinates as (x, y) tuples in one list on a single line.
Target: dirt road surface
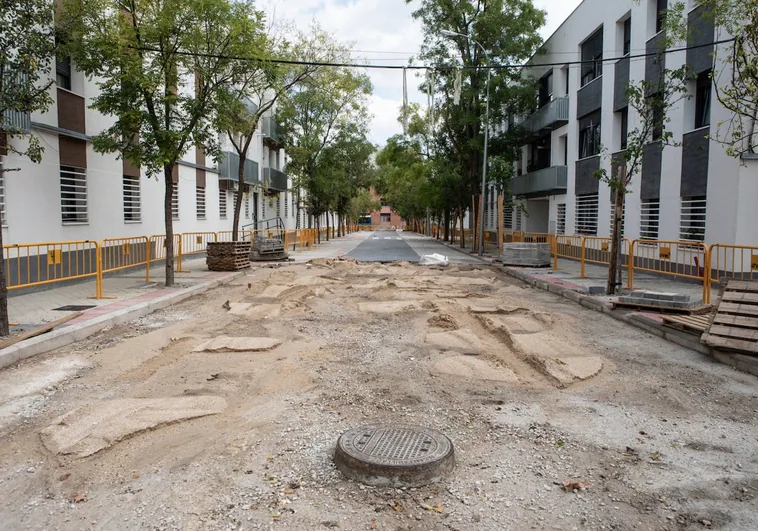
[(222, 412)]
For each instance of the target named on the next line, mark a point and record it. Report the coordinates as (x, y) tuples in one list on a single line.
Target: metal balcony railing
[(271, 131), (228, 168), (12, 120), (277, 180), (549, 180), (548, 116)]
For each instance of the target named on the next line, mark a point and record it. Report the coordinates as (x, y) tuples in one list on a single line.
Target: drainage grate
[(74, 308), (396, 455)]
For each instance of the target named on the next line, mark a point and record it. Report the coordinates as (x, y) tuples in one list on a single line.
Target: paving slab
[(90, 429)]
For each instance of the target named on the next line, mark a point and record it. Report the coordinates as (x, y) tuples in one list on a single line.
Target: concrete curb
[(70, 334), (743, 363)]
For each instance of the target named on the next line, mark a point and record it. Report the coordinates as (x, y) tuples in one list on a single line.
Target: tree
[(735, 71), (508, 30), (362, 204), (255, 93), (159, 66), (27, 47), (649, 102), (327, 108)]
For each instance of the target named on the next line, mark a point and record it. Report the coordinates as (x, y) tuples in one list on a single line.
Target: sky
[(383, 32)]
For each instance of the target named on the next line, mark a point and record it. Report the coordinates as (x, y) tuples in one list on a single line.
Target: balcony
[(548, 181), (549, 117), (276, 180), (228, 169), (16, 121), (271, 136)]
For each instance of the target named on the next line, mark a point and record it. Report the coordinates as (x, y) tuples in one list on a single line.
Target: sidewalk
[(30, 310)]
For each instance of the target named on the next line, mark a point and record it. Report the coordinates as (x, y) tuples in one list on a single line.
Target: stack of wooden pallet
[(735, 323), (228, 256)]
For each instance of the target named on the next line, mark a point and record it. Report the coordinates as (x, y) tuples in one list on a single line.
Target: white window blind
[(692, 225), (2, 196), (175, 202), (222, 204), (247, 207), (586, 214), (508, 217), (74, 195), (132, 198), (561, 225), (200, 201), (650, 212)]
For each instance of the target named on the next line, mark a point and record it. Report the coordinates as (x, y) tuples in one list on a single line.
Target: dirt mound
[(444, 321)]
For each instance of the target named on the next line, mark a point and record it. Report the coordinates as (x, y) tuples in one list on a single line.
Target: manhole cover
[(394, 455)]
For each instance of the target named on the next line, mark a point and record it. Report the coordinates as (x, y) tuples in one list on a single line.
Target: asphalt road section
[(384, 247)]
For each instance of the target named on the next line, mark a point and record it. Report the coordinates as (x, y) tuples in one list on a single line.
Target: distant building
[(385, 217)]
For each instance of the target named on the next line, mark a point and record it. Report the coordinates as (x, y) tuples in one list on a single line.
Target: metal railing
[(738, 262), (673, 258)]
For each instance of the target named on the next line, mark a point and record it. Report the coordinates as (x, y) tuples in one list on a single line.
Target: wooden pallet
[(735, 323), (693, 324), (695, 310)]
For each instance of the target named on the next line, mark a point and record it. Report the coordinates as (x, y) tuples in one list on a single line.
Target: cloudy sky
[(383, 32)]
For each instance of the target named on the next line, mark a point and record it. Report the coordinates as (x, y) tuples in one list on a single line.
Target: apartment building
[(76, 193), (693, 191)]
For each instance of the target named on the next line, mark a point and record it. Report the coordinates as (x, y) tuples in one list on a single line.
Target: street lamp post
[(448, 33)]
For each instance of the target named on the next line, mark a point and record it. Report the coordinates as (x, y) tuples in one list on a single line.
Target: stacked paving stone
[(661, 300), (526, 254)]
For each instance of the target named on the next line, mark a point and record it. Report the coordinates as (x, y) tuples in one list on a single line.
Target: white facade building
[(693, 191), (78, 194)]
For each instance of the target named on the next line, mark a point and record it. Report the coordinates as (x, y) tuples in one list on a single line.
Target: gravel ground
[(662, 438)]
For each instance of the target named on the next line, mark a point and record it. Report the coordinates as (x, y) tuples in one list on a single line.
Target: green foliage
[(404, 177), (508, 31), (159, 66), (735, 72), (325, 119), (362, 205), (27, 49)]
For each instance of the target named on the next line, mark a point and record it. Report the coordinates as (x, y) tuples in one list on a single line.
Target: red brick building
[(385, 217)]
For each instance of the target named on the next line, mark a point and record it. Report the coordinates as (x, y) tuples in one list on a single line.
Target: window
[(222, 204), (508, 217), (286, 204), (628, 36), (63, 72), (263, 207), (247, 207), (73, 195), (589, 135), (624, 115), (692, 224), (650, 213), (561, 225), (703, 100), (385, 218), (517, 216), (175, 201), (592, 57), (132, 203), (200, 201), (278, 205), (660, 14), (546, 89), (657, 116), (586, 214)]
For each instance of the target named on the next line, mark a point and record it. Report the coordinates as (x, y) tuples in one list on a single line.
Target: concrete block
[(596, 290), (591, 303), (573, 296)]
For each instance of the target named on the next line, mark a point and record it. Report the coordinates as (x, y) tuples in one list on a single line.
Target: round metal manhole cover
[(394, 455)]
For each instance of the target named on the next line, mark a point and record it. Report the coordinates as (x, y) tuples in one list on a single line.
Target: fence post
[(706, 275), (147, 266), (630, 268), (555, 253), (99, 275), (582, 255)]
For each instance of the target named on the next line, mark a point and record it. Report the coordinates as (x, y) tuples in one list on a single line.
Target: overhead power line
[(426, 67)]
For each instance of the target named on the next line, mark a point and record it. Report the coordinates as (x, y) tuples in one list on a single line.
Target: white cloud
[(383, 32)]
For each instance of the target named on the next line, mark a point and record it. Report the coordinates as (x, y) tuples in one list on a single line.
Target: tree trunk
[(615, 258), (463, 233), (447, 225), (168, 171), (238, 200), (4, 327)]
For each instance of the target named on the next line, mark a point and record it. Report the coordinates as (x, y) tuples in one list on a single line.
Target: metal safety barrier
[(193, 243), (673, 258), (597, 250), (124, 253), (733, 262), (38, 264)]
